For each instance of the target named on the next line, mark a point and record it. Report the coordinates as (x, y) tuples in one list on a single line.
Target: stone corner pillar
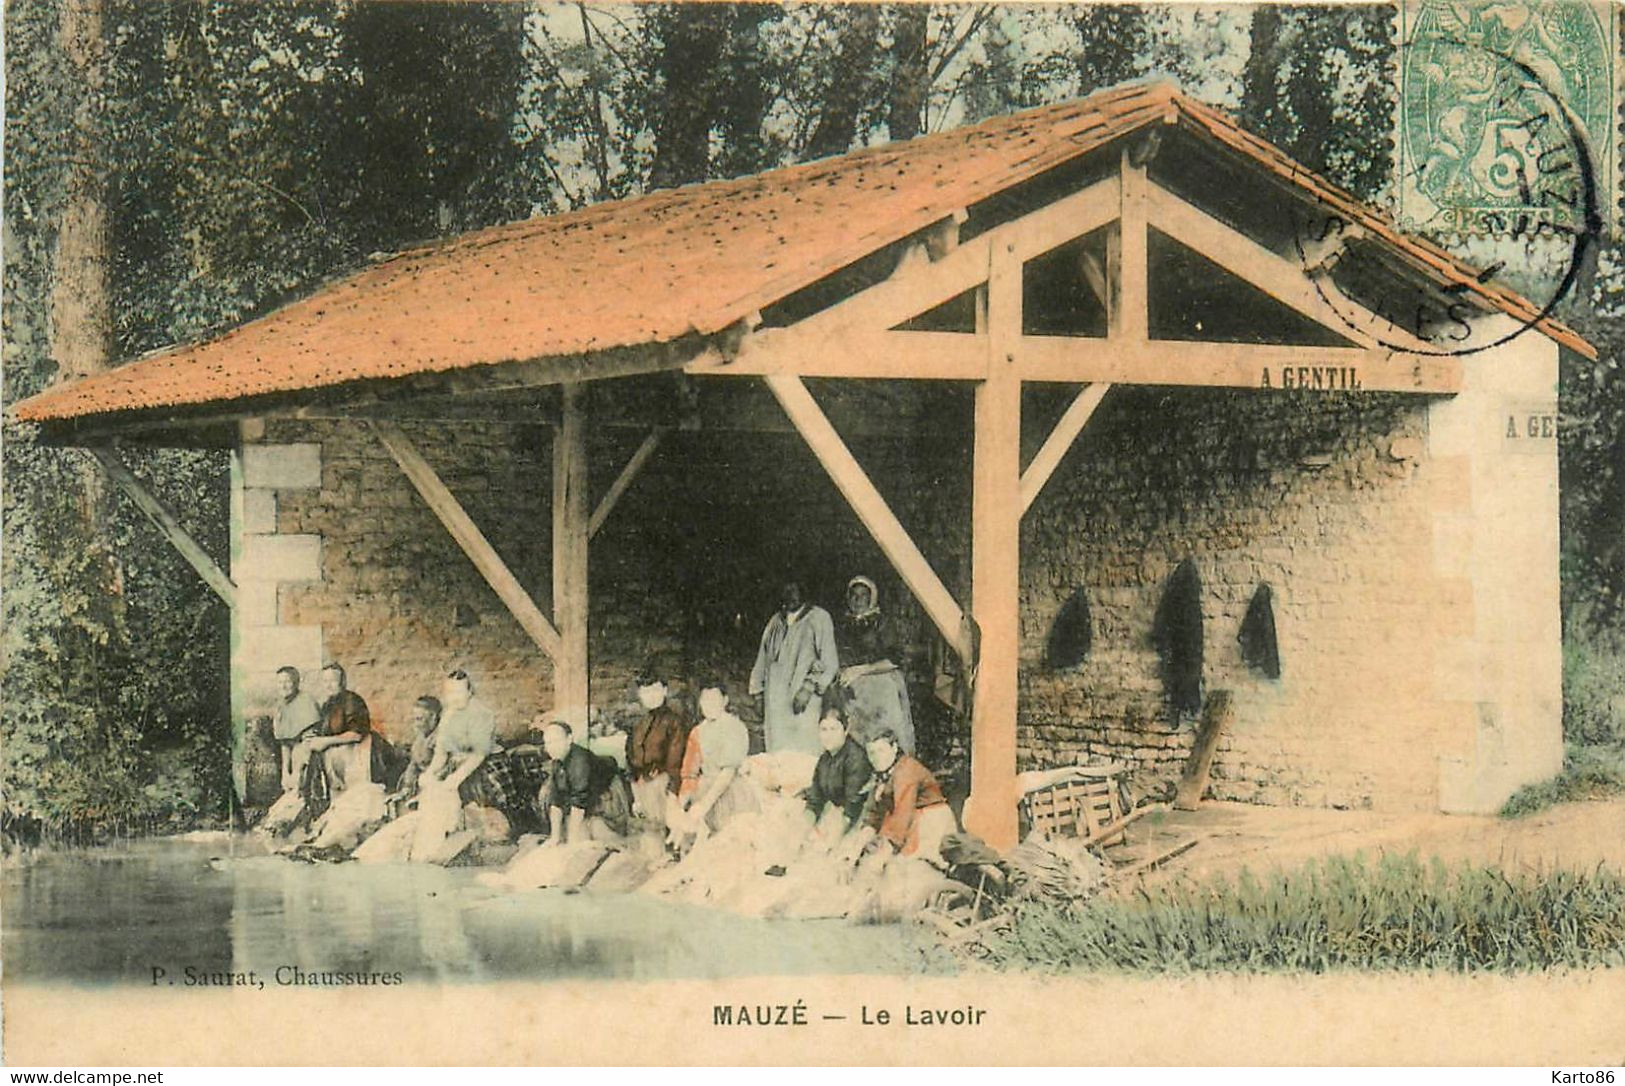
[(1498, 670)]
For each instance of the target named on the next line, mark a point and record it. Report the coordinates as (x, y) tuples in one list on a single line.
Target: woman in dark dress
[(840, 783), (870, 691)]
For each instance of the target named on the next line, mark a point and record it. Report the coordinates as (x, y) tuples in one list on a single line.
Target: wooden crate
[(1077, 808)]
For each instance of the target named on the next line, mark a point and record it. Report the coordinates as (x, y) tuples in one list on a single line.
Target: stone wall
[(1323, 498), (1367, 528)]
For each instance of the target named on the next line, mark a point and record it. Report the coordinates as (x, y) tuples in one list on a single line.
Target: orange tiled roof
[(654, 268)]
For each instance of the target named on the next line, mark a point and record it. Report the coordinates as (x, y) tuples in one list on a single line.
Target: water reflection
[(219, 903)]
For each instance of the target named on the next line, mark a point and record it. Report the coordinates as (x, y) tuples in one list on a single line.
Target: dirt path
[(1235, 836)]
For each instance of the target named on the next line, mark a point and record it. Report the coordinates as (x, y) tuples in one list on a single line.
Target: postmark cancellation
[(1508, 116)]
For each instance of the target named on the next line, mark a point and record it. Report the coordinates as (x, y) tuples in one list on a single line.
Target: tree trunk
[(905, 106), (690, 38), (744, 94), (848, 89), (81, 316), (81, 310), (1258, 76)]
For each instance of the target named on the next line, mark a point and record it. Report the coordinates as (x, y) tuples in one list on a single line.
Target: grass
[(1334, 914), (1588, 773)]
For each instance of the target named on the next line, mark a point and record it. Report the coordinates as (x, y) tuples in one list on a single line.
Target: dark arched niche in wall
[(1259, 649), (1071, 635), (1177, 634)]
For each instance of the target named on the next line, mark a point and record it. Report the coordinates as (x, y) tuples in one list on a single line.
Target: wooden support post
[(571, 520), (167, 525), (1133, 276), (990, 812), (606, 504), (866, 501), (1059, 441), (236, 531), (456, 520)]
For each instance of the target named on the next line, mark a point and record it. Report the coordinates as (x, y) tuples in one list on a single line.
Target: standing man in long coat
[(794, 666)]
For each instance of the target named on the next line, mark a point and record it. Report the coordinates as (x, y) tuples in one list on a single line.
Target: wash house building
[(1111, 397)]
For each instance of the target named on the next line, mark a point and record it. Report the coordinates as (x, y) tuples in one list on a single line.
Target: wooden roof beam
[(628, 473), (866, 501), (167, 524), (468, 536), (1235, 365), (940, 356), (1285, 280), (1060, 440)]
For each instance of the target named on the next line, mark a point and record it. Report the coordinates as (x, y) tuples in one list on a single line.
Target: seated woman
[(465, 738), (586, 795), (907, 810), (712, 791), (870, 688), (342, 750), (840, 783), (425, 722)]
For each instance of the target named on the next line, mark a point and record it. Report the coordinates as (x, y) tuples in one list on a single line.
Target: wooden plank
[(1236, 365), (1216, 717), (1283, 279), (990, 811), (166, 523), (606, 504), (1059, 441), (1115, 828), (937, 356), (571, 689), (468, 536), (1133, 277), (866, 501), (1158, 860)]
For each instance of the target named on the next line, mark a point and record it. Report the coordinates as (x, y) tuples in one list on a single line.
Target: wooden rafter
[(940, 356), (1060, 439), (923, 285), (1286, 280), (468, 536), (167, 524), (866, 501), (639, 457)]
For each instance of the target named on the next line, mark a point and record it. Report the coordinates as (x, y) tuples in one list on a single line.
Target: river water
[(218, 903)]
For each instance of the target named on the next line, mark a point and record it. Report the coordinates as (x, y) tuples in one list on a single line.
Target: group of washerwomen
[(347, 790)]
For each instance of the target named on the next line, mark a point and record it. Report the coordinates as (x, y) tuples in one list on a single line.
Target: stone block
[(1455, 613), (280, 558), (259, 511), (1451, 479), (262, 649), (257, 603), (283, 467)]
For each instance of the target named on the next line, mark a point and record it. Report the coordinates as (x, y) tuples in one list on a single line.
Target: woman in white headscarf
[(871, 689)]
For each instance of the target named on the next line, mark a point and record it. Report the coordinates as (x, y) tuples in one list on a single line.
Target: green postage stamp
[(1508, 115)]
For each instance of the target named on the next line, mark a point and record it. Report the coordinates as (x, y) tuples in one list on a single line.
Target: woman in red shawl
[(907, 809)]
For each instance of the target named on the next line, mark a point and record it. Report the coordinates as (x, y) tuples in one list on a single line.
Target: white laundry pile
[(786, 772), (354, 812), (392, 844), (283, 812), (544, 867)]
